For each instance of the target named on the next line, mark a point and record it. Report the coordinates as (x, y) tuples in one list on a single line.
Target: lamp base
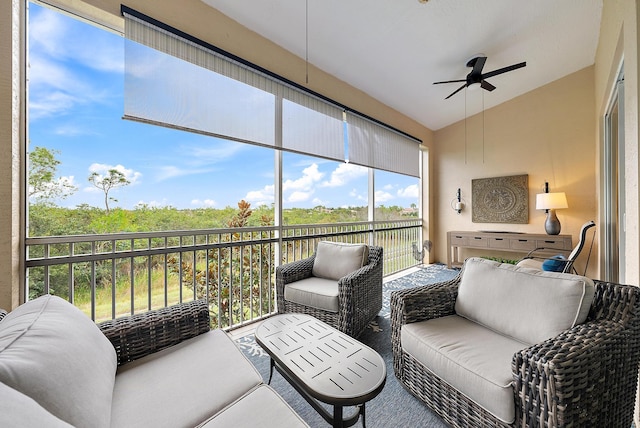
[(552, 224)]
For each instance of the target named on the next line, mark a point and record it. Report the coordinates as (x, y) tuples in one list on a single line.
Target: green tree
[(43, 184), (106, 184)]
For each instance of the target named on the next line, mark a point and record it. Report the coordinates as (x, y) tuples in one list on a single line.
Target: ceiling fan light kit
[(476, 78)]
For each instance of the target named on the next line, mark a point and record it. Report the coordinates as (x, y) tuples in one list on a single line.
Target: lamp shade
[(551, 201)]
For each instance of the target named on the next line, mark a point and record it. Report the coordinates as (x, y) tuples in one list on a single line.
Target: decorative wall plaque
[(500, 199)]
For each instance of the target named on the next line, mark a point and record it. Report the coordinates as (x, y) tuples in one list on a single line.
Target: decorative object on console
[(500, 199), (551, 202), (457, 203)]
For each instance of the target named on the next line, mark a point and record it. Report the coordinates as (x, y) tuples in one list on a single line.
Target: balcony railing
[(111, 275)]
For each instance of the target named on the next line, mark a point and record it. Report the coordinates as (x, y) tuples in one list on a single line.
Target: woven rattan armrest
[(295, 271), (568, 380), (419, 304), (3, 314), (142, 334)]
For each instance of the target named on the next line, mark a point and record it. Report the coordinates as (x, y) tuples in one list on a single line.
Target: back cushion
[(53, 353), (334, 260), (526, 304)]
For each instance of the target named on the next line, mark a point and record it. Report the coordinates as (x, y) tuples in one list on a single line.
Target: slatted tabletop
[(331, 366)]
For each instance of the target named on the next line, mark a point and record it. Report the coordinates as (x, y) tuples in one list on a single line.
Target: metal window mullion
[(219, 292), (131, 279), (166, 273)]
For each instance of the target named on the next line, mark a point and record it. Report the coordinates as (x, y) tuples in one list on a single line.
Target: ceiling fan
[(476, 78)]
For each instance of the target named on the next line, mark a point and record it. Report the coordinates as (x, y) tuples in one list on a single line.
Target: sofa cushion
[(18, 410), (527, 304), (473, 359), (262, 407), (183, 385), (319, 293), (53, 353), (334, 260)]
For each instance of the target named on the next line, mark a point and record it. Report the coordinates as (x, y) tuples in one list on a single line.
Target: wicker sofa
[(163, 368), (495, 372), (340, 284)]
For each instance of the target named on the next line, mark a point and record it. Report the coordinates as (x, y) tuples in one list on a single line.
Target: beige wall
[(547, 133)]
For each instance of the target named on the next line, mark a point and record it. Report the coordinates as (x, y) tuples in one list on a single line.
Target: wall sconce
[(457, 203), (550, 202)]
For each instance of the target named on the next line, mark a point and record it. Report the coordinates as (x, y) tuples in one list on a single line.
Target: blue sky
[(76, 81)]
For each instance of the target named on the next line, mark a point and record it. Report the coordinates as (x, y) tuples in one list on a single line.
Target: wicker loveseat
[(340, 284), (163, 368), (585, 375)]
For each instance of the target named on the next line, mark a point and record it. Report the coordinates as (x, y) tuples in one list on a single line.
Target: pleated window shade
[(175, 82), (376, 146)]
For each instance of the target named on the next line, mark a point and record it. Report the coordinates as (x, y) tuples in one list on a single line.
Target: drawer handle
[(499, 239), (477, 237), (549, 242), (457, 236), (523, 240)]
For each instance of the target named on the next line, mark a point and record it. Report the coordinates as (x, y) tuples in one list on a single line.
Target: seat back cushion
[(53, 353), (529, 305), (334, 260)]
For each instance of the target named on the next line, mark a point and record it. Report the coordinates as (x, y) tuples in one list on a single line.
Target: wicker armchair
[(586, 376), (360, 293)]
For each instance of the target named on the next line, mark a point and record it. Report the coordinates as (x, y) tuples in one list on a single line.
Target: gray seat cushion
[(53, 353), (472, 359), (262, 407), (526, 304), (183, 385), (314, 292)]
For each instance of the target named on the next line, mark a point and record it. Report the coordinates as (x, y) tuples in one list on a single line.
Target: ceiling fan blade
[(450, 81), (486, 85), (478, 64), (503, 70), (456, 91)]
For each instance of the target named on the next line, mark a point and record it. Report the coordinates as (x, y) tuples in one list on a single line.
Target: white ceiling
[(395, 49)]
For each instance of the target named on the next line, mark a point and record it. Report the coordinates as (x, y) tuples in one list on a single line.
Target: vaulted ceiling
[(395, 49)]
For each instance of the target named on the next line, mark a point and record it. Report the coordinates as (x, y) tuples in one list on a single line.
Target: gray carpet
[(394, 407)]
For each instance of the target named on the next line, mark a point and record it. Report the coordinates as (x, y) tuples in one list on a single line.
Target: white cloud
[(388, 187), (344, 173), (207, 203), (410, 191), (151, 204), (382, 196), (318, 201), (310, 176), (299, 196), (170, 171), (264, 196), (103, 170)]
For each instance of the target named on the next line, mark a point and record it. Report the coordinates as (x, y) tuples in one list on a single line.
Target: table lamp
[(551, 202)]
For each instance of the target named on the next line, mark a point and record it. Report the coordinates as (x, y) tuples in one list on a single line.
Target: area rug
[(394, 406)]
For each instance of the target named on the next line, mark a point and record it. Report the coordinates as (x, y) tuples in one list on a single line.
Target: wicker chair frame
[(586, 376), (138, 335), (359, 293)]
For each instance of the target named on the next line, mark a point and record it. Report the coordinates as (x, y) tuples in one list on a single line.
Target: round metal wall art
[(500, 199)]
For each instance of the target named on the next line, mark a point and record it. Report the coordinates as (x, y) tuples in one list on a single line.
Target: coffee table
[(323, 364)]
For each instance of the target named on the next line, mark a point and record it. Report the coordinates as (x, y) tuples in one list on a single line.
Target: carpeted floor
[(394, 407)]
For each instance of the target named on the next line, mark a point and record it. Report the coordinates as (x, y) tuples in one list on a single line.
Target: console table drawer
[(499, 243), (551, 243), (523, 244), (460, 240), (478, 241)]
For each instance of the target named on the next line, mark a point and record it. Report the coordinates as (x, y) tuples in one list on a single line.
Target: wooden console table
[(503, 241)]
